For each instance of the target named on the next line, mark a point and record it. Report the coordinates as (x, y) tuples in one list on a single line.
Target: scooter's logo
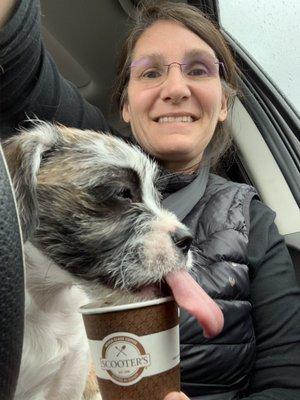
[(124, 358)]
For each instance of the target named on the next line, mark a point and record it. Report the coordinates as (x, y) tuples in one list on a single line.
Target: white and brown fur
[(92, 226)]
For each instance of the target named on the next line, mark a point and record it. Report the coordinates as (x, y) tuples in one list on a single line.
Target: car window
[(269, 31)]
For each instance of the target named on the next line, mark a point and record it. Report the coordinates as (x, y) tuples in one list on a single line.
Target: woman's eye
[(198, 71), (151, 74)]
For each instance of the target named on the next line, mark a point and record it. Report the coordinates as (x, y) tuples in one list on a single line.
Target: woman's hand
[(176, 396)]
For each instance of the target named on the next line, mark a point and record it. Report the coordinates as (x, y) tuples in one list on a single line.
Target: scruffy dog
[(92, 225)]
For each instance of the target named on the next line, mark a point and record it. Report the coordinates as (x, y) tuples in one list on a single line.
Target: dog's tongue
[(190, 296)]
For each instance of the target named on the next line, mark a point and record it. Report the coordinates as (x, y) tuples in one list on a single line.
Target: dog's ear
[(23, 154)]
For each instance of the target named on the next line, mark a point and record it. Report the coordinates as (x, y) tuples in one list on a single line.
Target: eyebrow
[(158, 57), (144, 59)]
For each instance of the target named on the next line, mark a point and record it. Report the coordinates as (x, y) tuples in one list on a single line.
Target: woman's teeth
[(184, 118)]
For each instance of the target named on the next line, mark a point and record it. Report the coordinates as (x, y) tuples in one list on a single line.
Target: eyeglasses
[(152, 72)]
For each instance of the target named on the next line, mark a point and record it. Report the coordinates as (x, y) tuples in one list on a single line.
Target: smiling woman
[(198, 44), (176, 81), (173, 115)]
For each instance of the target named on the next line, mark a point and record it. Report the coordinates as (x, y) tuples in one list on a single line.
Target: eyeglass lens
[(152, 71)]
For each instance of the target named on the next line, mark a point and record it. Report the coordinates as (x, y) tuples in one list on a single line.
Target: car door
[(265, 119)]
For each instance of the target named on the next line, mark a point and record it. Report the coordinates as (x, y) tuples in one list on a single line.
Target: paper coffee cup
[(135, 348)]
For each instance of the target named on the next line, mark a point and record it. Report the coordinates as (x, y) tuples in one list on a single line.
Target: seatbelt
[(185, 199)]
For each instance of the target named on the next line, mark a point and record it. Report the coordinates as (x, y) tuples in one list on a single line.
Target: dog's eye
[(125, 193)]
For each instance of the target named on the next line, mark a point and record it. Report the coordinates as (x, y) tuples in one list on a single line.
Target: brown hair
[(149, 12)]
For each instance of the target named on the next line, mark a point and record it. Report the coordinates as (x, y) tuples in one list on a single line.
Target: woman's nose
[(175, 88)]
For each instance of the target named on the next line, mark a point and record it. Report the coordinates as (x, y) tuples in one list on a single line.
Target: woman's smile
[(176, 118)]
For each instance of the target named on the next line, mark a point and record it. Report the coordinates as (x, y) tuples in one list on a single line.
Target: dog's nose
[(183, 239)]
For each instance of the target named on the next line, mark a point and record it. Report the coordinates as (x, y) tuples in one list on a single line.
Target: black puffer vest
[(220, 221)]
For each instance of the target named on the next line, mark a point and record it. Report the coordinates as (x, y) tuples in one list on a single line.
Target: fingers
[(176, 396)]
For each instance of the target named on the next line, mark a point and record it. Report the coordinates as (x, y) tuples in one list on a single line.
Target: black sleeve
[(275, 298), (31, 85)]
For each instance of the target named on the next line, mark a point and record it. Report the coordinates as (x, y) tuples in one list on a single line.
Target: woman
[(176, 81)]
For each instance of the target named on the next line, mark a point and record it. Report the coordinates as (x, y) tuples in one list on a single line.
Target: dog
[(92, 227)]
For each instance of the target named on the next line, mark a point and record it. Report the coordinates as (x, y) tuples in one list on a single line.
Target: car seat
[(11, 287)]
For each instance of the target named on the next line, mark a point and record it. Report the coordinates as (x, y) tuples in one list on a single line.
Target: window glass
[(269, 31)]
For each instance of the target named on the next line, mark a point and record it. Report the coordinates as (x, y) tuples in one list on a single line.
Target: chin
[(184, 156)]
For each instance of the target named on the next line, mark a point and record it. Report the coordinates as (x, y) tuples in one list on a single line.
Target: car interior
[(84, 40)]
